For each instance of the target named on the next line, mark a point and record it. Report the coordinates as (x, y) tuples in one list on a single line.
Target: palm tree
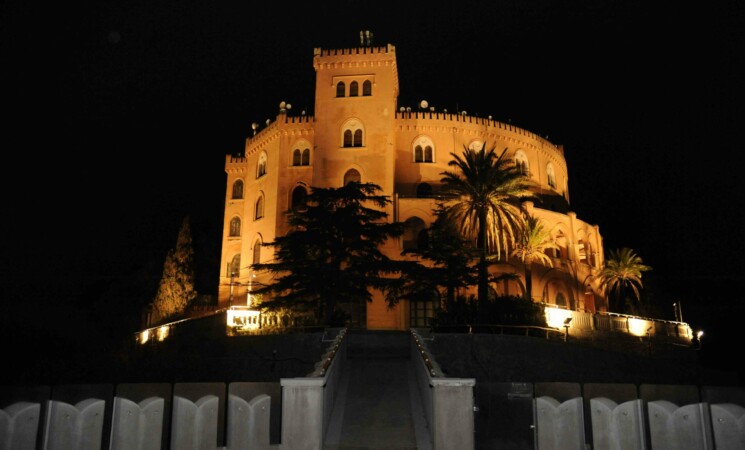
[(531, 246), (488, 190), (622, 273)]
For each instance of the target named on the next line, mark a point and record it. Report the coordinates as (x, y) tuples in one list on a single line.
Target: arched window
[(261, 166), (352, 133), (581, 251), (353, 89), (298, 198), (235, 226), (551, 175), (428, 154), (521, 162), (476, 145), (301, 153), (561, 242), (234, 267), (591, 256), (418, 154), (340, 89), (259, 208), (352, 175), (561, 300), (413, 226), (366, 88), (423, 148), (238, 189), (347, 138), (257, 252), (424, 190)]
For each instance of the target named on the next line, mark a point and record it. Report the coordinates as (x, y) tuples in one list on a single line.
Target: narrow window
[(353, 89), (306, 158), (418, 154), (428, 154), (340, 89), (351, 176), (521, 162), (551, 175), (235, 226), (257, 251), (238, 189), (412, 229), (581, 251), (298, 198), (261, 167), (347, 138), (561, 300), (296, 157), (366, 88), (358, 138), (259, 208), (234, 267)]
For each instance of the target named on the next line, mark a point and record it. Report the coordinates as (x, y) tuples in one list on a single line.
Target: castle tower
[(356, 95)]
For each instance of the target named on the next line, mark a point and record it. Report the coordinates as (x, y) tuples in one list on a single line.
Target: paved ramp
[(378, 405)]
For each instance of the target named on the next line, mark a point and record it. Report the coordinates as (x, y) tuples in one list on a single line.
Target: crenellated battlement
[(442, 121), (472, 120), (319, 52)]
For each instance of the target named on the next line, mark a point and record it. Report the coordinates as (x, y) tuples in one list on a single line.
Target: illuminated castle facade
[(359, 132)]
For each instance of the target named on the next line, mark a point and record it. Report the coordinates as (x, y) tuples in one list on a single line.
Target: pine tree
[(332, 254), (176, 290)]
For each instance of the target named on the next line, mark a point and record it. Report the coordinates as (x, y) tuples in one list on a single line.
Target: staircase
[(378, 405)]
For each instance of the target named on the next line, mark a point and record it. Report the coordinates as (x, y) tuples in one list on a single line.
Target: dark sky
[(118, 117)]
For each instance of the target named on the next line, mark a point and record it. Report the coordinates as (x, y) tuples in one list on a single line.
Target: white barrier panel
[(74, 427), (137, 427), (194, 425), (678, 428), (728, 423), (19, 423), (617, 427), (559, 426), (248, 422)]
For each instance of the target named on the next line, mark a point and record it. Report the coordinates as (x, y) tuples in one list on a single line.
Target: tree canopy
[(332, 254), (530, 246), (176, 289), (622, 277), (487, 190)]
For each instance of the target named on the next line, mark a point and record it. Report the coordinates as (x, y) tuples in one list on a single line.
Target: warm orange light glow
[(555, 317), (243, 318), (162, 332), (640, 327), (699, 334), (144, 336)]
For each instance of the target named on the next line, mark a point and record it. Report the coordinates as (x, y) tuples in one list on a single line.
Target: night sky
[(118, 117)]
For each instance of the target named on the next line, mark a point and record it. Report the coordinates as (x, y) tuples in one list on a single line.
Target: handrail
[(501, 328)]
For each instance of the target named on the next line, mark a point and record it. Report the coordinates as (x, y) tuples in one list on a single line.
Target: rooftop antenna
[(254, 126)]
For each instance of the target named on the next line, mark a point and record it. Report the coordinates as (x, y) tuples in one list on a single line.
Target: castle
[(359, 133)]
